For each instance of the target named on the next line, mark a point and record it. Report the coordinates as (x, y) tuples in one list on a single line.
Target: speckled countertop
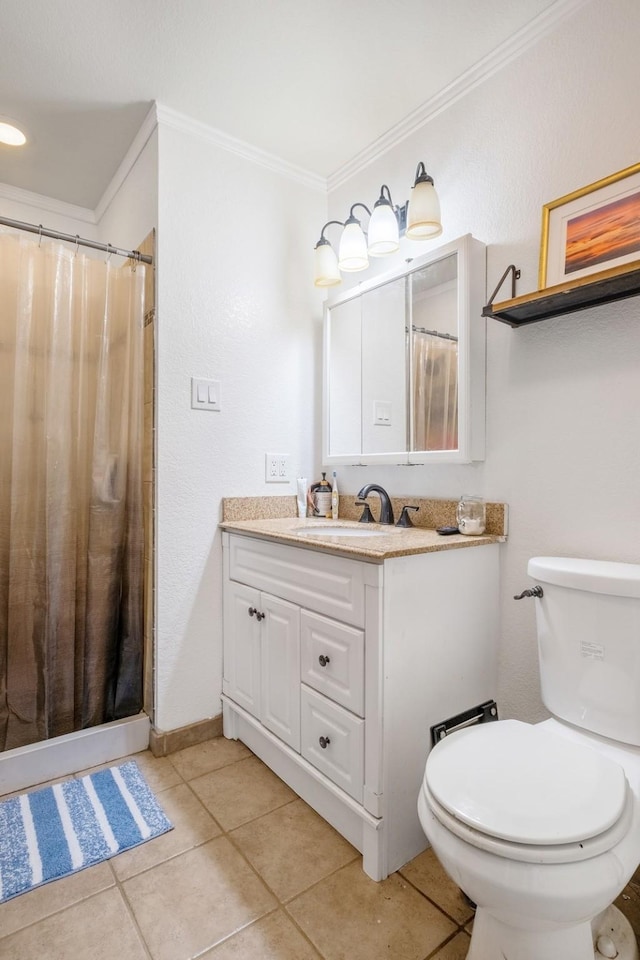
[(275, 520)]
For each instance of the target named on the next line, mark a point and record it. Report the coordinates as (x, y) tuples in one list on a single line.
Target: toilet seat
[(526, 794)]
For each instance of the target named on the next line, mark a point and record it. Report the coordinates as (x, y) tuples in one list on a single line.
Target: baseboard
[(164, 742)]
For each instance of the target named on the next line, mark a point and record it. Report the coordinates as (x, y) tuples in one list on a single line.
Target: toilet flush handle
[(533, 592)]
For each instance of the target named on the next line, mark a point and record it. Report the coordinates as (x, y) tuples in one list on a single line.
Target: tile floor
[(250, 871)]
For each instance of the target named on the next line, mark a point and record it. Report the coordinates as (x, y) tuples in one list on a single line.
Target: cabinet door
[(280, 646), (242, 632)]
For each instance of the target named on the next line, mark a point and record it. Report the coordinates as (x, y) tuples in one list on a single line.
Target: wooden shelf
[(616, 284)]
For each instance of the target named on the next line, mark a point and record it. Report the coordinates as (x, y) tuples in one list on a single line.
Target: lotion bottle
[(335, 499)]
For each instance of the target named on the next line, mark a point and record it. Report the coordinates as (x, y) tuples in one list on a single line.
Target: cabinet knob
[(324, 742), (323, 661), (256, 613)]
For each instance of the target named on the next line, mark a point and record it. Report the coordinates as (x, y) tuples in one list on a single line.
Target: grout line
[(433, 903)]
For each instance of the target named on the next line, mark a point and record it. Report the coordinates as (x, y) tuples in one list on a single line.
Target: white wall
[(236, 304), (563, 418)]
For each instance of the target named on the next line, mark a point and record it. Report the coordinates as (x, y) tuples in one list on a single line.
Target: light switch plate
[(382, 413), (205, 394)]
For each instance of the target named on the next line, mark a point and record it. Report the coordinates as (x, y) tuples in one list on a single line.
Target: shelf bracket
[(515, 275)]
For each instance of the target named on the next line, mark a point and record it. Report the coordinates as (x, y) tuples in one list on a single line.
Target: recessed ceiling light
[(11, 135)]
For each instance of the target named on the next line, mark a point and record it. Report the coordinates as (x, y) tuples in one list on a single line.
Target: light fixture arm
[(351, 218), (323, 239), (382, 199), (421, 175)]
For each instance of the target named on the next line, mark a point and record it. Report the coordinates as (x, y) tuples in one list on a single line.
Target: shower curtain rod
[(434, 333), (79, 241)]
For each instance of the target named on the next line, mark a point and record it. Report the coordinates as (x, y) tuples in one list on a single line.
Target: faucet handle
[(405, 519), (367, 516)]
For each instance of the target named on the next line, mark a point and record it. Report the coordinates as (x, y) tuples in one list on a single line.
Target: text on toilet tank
[(590, 650)]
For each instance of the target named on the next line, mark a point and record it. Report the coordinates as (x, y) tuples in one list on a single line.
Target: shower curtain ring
[(109, 253), (77, 245), (39, 234)]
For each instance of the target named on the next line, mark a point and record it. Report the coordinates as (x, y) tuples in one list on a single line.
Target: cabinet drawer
[(342, 757), (332, 660), (321, 582)]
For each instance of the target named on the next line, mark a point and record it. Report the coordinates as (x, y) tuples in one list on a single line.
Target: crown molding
[(467, 81), (184, 124), (50, 204)]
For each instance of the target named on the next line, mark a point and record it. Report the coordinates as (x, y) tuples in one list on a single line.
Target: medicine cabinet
[(404, 363)]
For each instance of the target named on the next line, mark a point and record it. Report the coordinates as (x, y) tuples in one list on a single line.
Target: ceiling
[(313, 83)]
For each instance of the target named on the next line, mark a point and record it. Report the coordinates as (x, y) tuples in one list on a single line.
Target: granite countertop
[(379, 543)]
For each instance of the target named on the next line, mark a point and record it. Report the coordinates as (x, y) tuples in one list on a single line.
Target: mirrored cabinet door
[(404, 363), (433, 343)]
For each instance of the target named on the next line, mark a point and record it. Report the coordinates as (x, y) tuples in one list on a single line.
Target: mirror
[(404, 365)]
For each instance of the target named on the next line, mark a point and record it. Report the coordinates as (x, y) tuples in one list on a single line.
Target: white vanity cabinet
[(335, 669)]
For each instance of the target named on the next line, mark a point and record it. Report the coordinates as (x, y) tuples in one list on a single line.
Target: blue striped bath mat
[(52, 832)]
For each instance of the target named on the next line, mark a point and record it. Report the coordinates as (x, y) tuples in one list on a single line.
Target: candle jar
[(471, 515)]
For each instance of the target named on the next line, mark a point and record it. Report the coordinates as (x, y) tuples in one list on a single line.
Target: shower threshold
[(36, 763)]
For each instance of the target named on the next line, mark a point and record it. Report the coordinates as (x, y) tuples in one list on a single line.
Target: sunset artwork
[(610, 232)]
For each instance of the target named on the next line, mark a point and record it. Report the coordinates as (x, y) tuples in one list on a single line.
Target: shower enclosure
[(71, 512)]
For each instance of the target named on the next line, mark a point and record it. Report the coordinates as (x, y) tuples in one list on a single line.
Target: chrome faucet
[(386, 510)]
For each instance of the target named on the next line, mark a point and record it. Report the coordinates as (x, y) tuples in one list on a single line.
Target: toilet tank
[(588, 622)]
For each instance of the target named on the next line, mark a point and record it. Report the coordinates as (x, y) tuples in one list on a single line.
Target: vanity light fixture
[(10, 134), (424, 208), (419, 218)]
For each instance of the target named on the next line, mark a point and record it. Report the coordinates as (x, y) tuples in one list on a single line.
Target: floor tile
[(100, 927), (426, 873), (349, 915), (292, 848), (205, 757), (192, 825), (273, 938), (189, 904), (52, 897), (157, 771), (241, 792), (456, 949)]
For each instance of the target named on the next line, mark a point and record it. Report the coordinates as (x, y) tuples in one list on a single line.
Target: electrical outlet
[(277, 467)]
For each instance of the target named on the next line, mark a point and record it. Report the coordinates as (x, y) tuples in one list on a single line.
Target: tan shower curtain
[(71, 425), (435, 379)]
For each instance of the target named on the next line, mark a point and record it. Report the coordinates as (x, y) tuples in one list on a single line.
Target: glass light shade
[(383, 231), (326, 272), (424, 212), (11, 135), (352, 255)]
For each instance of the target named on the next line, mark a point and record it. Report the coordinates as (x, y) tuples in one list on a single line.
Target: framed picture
[(592, 230)]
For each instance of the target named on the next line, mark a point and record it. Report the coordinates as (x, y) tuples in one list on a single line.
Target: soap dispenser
[(321, 493)]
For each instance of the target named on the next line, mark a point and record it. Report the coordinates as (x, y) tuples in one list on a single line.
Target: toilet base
[(611, 932), (612, 926)]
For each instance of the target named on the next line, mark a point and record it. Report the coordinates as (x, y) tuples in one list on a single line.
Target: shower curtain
[(71, 532), (435, 393)]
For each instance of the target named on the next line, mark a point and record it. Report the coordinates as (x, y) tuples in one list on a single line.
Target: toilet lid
[(517, 782)]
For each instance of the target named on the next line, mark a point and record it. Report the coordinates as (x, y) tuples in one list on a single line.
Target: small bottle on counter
[(335, 499)]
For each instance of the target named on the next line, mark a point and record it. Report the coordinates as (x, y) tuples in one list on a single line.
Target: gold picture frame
[(592, 230)]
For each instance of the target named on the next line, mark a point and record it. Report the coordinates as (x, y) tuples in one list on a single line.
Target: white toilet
[(540, 824)]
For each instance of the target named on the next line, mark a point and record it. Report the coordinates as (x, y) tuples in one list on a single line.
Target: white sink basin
[(337, 531)]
